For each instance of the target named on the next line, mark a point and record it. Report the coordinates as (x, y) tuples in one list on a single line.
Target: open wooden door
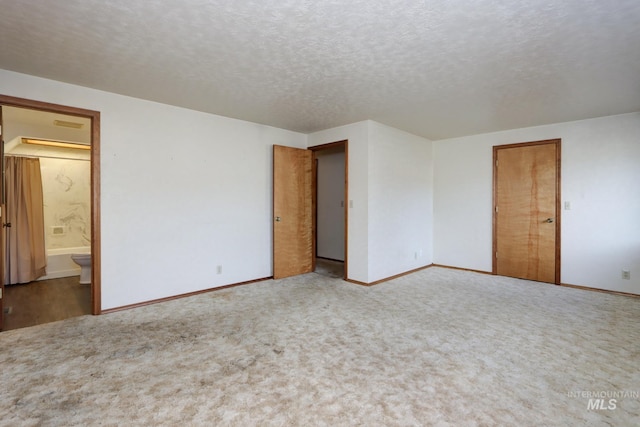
[(292, 211), (527, 211)]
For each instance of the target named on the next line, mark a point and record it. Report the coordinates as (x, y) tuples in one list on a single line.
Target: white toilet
[(84, 261)]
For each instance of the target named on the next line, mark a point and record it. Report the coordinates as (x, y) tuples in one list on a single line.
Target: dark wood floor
[(45, 301)]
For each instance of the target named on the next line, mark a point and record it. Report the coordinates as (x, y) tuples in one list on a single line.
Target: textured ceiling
[(436, 68)]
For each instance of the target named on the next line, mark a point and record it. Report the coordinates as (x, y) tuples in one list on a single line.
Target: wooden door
[(292, 211), (526, 212)]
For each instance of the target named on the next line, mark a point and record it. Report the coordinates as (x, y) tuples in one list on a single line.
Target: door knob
[(548, 220), (277, 219)]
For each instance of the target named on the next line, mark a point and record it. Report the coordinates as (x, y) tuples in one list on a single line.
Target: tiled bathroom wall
[(67, 202)]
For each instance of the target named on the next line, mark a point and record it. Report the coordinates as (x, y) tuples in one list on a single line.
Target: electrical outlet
[(219, 269), (626, 274)]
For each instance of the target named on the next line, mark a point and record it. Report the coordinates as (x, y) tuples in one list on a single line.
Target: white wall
[(462, 204), (400, 201), (390, 184), (66, 188), (184, 191), (600, 178), (330, 204), (181, 192)]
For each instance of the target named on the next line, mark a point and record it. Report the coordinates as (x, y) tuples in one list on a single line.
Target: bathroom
[(63, 288)]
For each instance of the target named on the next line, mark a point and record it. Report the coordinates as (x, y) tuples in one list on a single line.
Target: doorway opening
[(70, 185), (330, 209)]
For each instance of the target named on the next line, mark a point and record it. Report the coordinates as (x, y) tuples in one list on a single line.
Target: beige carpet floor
[(437, 347)]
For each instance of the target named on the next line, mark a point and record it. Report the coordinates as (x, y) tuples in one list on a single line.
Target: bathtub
[(60, 264)]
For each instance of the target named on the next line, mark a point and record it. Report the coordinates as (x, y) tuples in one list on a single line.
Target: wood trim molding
[(12, 101), (463, 269), (329, 145), (314, 209), (356, 282), (415, 270), (386, 279), (584, 288), (188, 294), (558, 217), (604, 291), (96, 253), (94, 116), (346, 208), (204, 291), (558, 208), (494, 222)]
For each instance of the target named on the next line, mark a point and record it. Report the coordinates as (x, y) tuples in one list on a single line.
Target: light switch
[(567, 206)]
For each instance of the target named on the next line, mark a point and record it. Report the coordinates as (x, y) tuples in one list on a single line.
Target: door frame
[(94, 117), (344, 143), (496, 148)]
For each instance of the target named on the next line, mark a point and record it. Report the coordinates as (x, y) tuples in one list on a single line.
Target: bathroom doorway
[(330, 201), (70, 185)]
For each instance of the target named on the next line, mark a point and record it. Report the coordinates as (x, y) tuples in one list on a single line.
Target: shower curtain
[(25, 254)]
